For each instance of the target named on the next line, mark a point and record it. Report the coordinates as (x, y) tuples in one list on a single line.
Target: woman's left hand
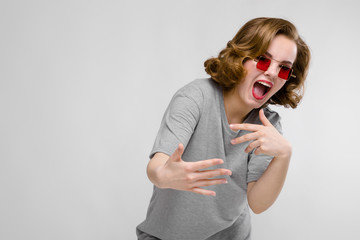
[(265, 138)]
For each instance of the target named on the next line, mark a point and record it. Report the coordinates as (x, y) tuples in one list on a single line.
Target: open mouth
[(261, 88)]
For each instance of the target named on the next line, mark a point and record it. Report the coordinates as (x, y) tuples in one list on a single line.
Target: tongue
[(259, 89)]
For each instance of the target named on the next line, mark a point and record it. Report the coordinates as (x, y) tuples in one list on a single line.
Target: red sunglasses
[(263, 64)]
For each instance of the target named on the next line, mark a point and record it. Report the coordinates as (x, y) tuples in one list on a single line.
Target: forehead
[(283, 49)]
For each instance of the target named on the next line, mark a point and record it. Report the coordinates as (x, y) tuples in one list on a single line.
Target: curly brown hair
[(251, 41)]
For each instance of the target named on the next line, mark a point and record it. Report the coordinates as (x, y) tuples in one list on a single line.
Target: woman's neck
[(235, 109)]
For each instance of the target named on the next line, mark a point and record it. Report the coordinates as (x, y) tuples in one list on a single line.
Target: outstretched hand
[(265, 138), (189, 176)]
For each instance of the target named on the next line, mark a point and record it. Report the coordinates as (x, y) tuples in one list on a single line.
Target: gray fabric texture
[(196, 118), (144, 236)]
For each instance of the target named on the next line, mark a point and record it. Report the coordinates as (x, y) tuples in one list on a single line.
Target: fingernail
[(231, 125), (233, 141), (213, 194), (225, 181)]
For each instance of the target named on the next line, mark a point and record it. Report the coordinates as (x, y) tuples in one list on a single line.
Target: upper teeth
[(265, 84)]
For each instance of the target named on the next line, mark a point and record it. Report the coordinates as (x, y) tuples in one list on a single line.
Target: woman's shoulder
[(270, 114), (199, 89)]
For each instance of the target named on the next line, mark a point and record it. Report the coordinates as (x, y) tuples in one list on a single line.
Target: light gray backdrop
[(84, 84)]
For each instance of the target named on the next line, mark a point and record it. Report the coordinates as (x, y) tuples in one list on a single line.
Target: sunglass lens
[(263, 63), (284, 72)]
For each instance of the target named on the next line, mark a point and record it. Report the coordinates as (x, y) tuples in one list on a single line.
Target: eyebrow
[(268, 54)]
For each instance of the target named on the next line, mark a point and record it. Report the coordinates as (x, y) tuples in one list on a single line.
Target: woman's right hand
[(189, 176)]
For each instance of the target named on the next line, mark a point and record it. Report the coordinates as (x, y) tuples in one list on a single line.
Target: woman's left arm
[(267, 140)]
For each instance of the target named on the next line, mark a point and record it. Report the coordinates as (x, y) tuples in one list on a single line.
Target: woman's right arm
[(172, 172)]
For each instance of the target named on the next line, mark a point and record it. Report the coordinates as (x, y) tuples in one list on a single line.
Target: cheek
[(250, 67), (278, 86)]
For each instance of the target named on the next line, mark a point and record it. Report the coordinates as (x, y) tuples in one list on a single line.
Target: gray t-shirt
[(196, 118)]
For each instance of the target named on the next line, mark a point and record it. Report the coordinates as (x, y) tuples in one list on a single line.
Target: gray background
[(84, 84)]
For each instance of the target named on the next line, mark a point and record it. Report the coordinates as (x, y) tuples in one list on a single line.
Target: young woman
[(219, 149)]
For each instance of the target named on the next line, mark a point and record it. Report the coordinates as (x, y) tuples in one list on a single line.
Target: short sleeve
[(179, 121), (257, 164)]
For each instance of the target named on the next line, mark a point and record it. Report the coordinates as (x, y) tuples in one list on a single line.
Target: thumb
[(176, 156), (263, 118)]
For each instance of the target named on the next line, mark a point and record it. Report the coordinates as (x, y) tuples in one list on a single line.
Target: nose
[(272, 71)]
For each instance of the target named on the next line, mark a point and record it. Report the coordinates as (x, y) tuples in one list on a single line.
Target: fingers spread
[(212, 173), (180, 150), (176, 156), (245, 138), (246, 126), (263, 118), (203, 191), (195, 166), (258, 151), (210, 182), (253, 145)]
